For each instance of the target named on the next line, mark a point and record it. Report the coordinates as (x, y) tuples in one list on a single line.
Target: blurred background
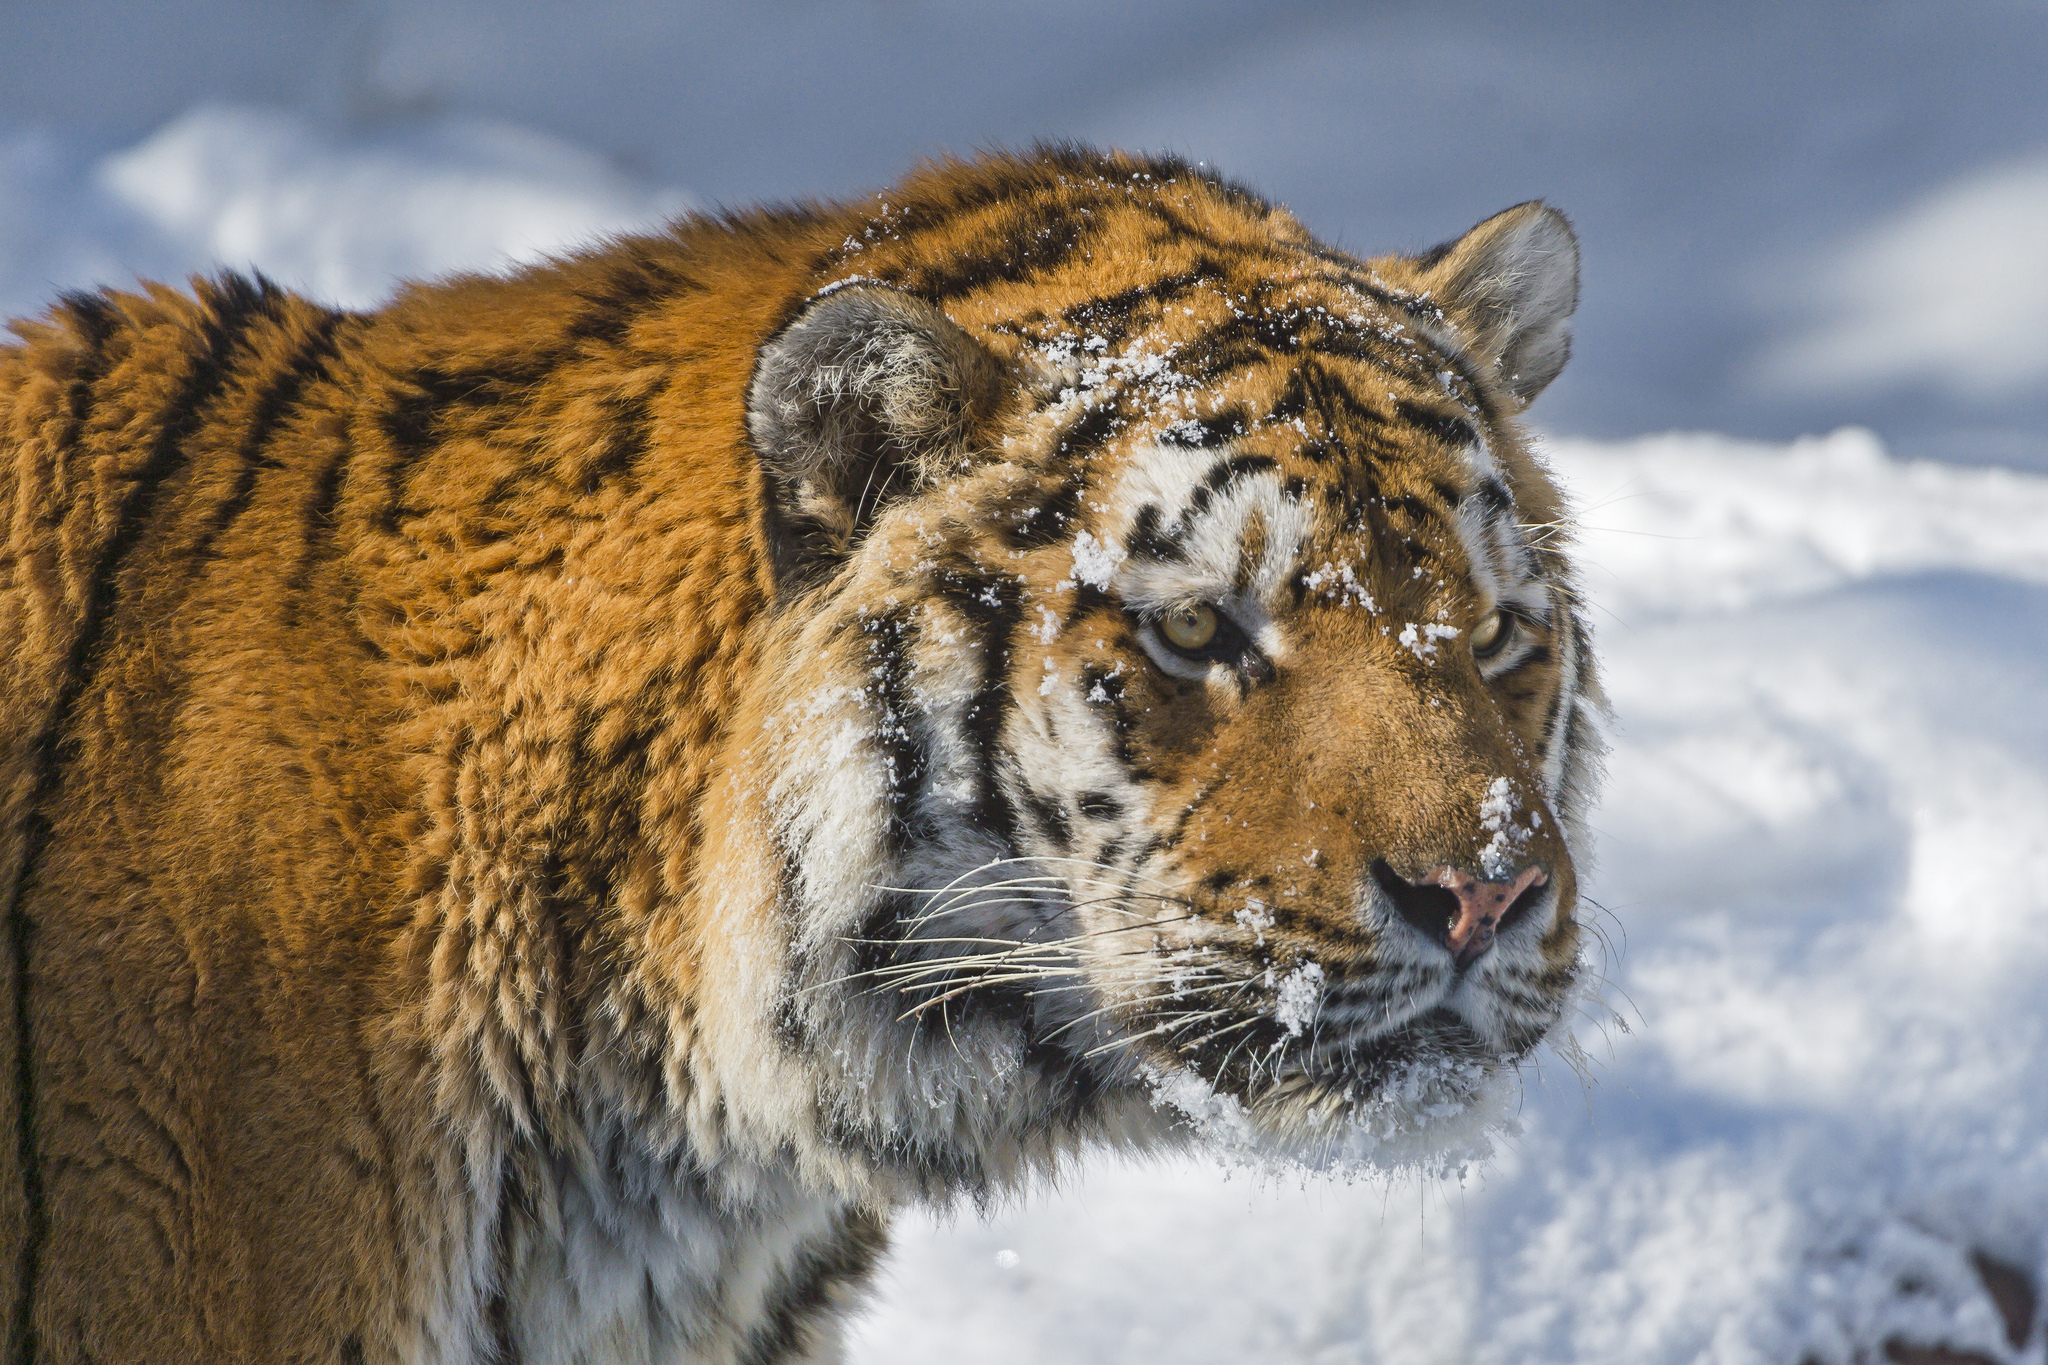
[(1794, 215), (1808, 1093)]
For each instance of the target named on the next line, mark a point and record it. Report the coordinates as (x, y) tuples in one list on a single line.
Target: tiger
[(539, 814)]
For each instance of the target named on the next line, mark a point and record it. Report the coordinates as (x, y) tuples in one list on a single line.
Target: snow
[(1299, 999), (1813, 1078), (1095, 561), (1497, 816), (1947, 293), (1420, 640)]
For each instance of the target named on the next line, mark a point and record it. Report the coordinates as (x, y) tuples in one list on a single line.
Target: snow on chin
[(1434, 1116)]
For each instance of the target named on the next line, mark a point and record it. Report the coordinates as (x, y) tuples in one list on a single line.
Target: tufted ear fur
[(1510, 285), (868, 394)]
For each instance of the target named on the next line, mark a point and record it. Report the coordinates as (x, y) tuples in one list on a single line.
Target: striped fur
[(534, 817)]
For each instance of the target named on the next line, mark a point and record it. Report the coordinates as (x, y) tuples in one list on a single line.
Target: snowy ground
[(1817, 1079)]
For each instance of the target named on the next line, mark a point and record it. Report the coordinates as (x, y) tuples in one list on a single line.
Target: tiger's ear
[(866, 395), (1510, 286)]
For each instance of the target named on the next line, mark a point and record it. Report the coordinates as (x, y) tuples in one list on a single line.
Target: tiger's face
[(1209, 703)]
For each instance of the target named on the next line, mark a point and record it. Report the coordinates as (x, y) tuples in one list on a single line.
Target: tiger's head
[(1179, 680)]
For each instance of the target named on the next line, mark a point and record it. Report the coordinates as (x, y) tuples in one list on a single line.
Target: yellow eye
[(1189, 629), (1489, 635)]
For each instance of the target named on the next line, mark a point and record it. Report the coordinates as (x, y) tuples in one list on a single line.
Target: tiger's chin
[(1429, 1096)]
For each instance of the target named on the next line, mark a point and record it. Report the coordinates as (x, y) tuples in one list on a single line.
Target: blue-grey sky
[(1794, 216)]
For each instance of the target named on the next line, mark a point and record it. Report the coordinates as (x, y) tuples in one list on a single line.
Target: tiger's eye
[(1488, 635), (1189, 629)]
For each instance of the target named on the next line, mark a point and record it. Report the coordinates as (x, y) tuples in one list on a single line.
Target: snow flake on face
[(1084, 366), (1421, 640), (1095, 562), (1052, 678), (1299, 999), (1497, 816), (1100, 694), (1048, 628), (1256, 917), (1343, 586)]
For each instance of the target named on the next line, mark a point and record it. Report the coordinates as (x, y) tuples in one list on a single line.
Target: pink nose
[(1480, 906)]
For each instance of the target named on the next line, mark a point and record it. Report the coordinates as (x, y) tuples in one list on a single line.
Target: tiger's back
[(385, 693), (252, 544)]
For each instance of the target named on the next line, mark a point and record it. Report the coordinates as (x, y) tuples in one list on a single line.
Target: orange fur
[(391, 700)]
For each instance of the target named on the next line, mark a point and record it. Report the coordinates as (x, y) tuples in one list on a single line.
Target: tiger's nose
[(1482, 906), (1458, 909)]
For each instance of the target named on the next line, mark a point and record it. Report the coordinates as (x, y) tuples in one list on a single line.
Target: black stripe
[(1260, 336), (316, 533), (1148, 541), (638, 281), (92, 317), (1493, 496), (1094, 429), (632, 434), (27, 1156), (1106, 690), (1050, 816), (1573, 733), (1054, 168), (419, 406), (1312, 389), (1038, 239), (1186, 817), (1221, 478), (1035, 525), (92, 320), (1418, 511), (1099, 805), (1201, 433), (1111, 315), (1088, 598), (1550, 718), (993, 606), (231, 303), (1447, 427), (887, 923), (899, 732), (1070, 1087), (308, 363), (1582, 647), (418, 411), (815, 1282)]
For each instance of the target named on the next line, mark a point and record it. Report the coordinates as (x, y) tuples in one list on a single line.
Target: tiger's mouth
[(1426, 1092), (1321, 1044)]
